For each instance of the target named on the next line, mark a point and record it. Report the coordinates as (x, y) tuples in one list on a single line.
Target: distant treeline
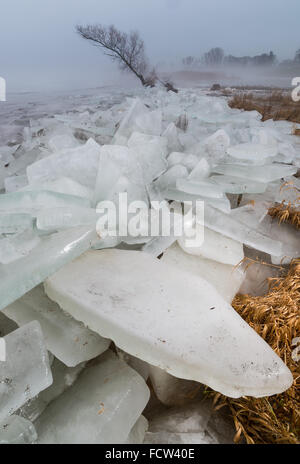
[(216, 57)]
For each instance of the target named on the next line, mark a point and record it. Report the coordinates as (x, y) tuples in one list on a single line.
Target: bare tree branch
[(128, 50)]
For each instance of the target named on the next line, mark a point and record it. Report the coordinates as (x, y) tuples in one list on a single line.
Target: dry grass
[(286, 213), (277, 105), (275, 317)]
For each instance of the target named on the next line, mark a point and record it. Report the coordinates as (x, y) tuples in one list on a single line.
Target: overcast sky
[(40, 50)]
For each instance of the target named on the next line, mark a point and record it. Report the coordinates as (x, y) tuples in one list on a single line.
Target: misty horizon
[(42, 51)]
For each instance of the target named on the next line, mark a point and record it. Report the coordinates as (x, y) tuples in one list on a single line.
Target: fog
[(40, 50)]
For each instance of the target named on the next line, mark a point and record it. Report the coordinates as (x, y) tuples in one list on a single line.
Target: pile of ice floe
[(102, 319)]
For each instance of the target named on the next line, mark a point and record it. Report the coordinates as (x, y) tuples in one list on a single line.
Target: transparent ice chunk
[(69, 340), (101, 407), (26, 370)]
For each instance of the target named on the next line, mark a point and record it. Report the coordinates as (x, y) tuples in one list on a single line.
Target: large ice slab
[(80, 164), (26, 370), (101, 407), (266, 173), (170, 319), (69, 340), (53, 252), (15, 430)]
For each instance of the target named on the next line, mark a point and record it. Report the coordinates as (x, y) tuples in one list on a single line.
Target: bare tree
[(215, 56), (128, 50)]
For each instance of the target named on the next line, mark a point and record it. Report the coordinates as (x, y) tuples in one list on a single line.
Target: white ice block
[(170, 319)]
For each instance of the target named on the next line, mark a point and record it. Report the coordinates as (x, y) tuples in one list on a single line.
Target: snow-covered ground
[(72, 290)]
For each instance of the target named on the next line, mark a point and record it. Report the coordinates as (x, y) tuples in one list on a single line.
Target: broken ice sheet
[(63, 378), (26, 370), (118, 171), (18, 166), (266, 173), (193, 424), (230, 184), (215, 246), (17, 246), (222, 203), (171, 133), (12, 223), (151, 152), (102, 406), (65, 217), (203, 340), (150, 123), (69, 340), (63, 185), (80, 164), (127, 124), (254, 153), (14, 183), (169, 178), (226, 279), (15, 430), (138, 431), (31, 201), (230, 227), (172, 391), (53, 252), (201, 171)]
